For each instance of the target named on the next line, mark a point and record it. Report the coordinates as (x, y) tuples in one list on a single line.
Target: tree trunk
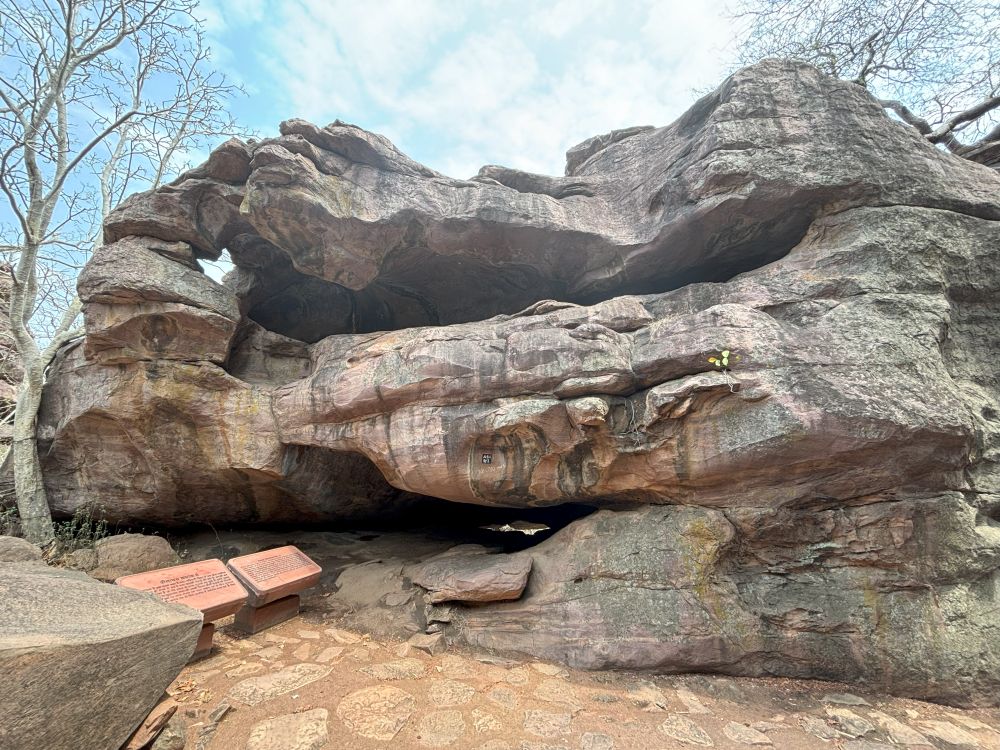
[(32, 504)]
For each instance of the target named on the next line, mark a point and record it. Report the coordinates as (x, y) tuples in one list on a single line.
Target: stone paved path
[(340, 677), (306, 685)]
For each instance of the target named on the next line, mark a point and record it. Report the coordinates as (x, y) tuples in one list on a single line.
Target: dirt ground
[(342, 675)]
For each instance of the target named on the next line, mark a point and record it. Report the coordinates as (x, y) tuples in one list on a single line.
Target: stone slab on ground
[(301, 731), (259, 689), (473, 578), (94, 656), (377, 712), (275, 573), (206, 585)]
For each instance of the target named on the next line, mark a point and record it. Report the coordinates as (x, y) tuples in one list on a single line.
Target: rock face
[(869, 594), (825, 506), (83, 661)]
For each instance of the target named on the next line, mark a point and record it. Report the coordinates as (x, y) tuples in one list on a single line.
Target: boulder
[(142, 302), (84, 662), (14, 549), (84, 559), (841, 593), (472, 578), (520, 340), (126, 554)]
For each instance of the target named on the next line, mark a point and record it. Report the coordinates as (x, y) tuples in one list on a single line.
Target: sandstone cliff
[(827, 506)]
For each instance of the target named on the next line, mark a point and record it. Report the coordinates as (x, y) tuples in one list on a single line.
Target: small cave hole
[(505, 529)]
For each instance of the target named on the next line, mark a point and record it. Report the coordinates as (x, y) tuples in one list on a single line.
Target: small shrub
[(81, 531)]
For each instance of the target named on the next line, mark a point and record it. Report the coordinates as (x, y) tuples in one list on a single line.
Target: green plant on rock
[(723, 360)]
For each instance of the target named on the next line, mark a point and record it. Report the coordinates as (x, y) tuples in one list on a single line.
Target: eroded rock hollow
[(826, 508)]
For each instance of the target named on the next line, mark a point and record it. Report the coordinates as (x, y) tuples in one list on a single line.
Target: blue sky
[(461, 83)]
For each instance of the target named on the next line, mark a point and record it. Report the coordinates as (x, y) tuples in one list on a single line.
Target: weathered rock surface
[(826, 507), (141, 303), (301, 731), (126, 554), (676, 588), (83, 662), (473, 578), (14, 549)]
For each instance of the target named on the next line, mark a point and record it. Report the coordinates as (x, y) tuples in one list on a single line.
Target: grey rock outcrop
[(83, 662), (681, 588), (14, 549), (827, 505), (125, 554)]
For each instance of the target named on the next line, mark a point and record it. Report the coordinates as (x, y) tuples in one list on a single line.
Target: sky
[(457, 84)]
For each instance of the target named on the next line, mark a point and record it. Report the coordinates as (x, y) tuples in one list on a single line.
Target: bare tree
[(934, 63), (98, 98)]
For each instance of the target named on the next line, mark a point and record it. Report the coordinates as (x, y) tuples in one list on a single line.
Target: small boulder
[(83, 662), (431, 643), (126, 554), (475, 578), (14, 549), (173, 736)]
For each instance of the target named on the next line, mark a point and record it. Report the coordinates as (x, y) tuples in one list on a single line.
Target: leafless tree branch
[(97, 99), (935, 64)]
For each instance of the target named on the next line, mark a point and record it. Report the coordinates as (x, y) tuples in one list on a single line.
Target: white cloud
[(461, 84), (560, 18)]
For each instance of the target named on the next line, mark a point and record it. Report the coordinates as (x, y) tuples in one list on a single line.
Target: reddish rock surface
[(826, 506), (275, 573), (206, 585)]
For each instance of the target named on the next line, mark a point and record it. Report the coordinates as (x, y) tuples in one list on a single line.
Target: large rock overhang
[(520, 340)]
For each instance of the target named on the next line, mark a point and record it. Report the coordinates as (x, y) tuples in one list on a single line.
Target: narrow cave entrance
[(341, 498), (499, 529)]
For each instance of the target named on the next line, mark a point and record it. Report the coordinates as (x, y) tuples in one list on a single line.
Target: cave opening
[(501, 529), (444, 523), (416, 287)]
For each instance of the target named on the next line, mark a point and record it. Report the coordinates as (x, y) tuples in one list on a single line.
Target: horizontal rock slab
[(194, 443), (83, 662), (142, 302), (472, 578), (730, 186)]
